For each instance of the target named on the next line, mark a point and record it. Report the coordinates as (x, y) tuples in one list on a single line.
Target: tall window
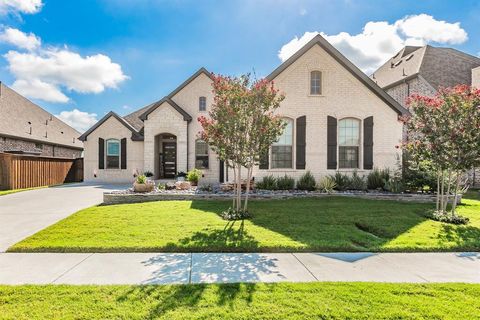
[(202, 104), (282, 150), (201, 154), (113, 154), (316, 82), (348, 143)]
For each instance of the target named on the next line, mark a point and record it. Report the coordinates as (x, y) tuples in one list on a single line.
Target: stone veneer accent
[(116, 198)]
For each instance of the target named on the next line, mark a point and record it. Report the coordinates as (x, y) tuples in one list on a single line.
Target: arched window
[(348, 143), (282, 150), (113, 154), (202, 104), (316, 83), (201, 154)]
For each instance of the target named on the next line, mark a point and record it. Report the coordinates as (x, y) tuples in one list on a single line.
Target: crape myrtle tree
[(445, 131), (241, 126)]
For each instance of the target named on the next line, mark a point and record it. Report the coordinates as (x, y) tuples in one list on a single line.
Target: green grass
[(325, 224), (5, 192), (243, 301)]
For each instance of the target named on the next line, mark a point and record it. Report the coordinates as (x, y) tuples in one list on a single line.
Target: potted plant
[(181, 176), (142, 184), (193, 176)]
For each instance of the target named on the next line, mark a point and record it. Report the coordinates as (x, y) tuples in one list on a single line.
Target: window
[(39, 146), (282, 155), (202, 104), (349, 143), (113, 154), (201, 154), (316, 83)]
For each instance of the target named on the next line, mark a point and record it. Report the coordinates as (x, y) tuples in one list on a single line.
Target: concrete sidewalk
[(166, 268)]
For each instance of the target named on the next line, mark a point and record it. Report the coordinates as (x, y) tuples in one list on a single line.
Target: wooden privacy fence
[(25, 171)]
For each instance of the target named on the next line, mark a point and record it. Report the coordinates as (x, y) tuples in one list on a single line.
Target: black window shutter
[(264, 161), (123, 153), (331, 143), (101, 153), (368, 143), (301, 141)]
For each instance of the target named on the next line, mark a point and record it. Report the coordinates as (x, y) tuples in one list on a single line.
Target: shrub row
[(377, 179)]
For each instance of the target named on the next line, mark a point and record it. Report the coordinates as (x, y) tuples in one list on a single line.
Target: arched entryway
[(165, 156)]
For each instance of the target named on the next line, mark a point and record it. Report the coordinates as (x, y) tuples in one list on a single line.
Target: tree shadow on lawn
[(159, 300), (319, 224), (464, 237)]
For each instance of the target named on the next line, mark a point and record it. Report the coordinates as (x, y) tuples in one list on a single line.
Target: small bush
[(285, 183), (148, 174), (394, 185), (161, 186), (357, 182), (141, 179), (206, 188), (194, 175), (327, 184), (231, 214), (377, 178), (448, 218), (267, 183), (342, 181), (306, 182)]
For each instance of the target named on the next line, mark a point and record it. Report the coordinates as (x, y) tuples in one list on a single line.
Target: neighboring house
[(337, 119), (25, 128), (476, 77), (423, 70)]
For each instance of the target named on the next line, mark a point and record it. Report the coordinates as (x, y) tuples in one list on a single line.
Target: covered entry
[(166, 160)]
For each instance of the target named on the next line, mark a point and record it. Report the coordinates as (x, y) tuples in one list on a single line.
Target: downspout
[(188, 141)]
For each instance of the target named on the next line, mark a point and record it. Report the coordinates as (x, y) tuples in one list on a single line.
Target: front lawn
[(325, 224), (243, 301)]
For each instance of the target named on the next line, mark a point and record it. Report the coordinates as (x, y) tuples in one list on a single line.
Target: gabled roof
[(186, 116), (168, 98), (349, 66), (440, 67), (136, 136)]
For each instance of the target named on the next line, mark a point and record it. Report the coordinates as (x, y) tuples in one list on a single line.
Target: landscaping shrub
[(193, 176), (306, 182), (148, 174), (419, 176), (357, 182), (267, 183), (141, 179), (231, 215), (285, 183), (377, 178), (448, 218), (342, 181), (327, 184), (206, 187)]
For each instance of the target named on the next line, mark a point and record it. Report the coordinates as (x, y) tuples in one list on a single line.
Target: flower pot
[(144, 187)]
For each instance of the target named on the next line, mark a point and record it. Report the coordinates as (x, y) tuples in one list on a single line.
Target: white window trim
[(322, 84), (294, 139), (119, 153), (360, 145)]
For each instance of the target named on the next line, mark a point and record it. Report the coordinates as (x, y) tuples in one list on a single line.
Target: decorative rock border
[(129, 197)]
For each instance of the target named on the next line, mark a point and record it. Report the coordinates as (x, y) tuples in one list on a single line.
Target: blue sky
[(141, 50)]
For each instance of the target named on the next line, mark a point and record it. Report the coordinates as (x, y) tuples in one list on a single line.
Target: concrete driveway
[(25, 213)]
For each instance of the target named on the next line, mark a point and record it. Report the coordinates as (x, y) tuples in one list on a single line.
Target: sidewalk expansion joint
[(73, 267), (191, 266), (308, 270)]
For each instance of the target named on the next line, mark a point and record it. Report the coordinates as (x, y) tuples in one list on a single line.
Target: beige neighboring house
[(337, 119), (476, 77), (26, 128), (423, 70)]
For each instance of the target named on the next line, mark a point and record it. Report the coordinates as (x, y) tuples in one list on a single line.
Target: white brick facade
[(343, 96), (476, 77)]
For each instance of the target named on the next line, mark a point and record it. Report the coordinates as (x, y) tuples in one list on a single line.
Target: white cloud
[(378, 41), (20, 6), (50, 70), (20, 39), (77, 119), (38, 89), (426, 28)]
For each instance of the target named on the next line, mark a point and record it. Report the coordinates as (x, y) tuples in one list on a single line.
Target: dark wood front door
[(169, 162)]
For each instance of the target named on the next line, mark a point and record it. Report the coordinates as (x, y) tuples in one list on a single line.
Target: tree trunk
[(234, 201), (447, 195), (457, 185), (438, 191), (442, 183), (239, 188), (247, 188)]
